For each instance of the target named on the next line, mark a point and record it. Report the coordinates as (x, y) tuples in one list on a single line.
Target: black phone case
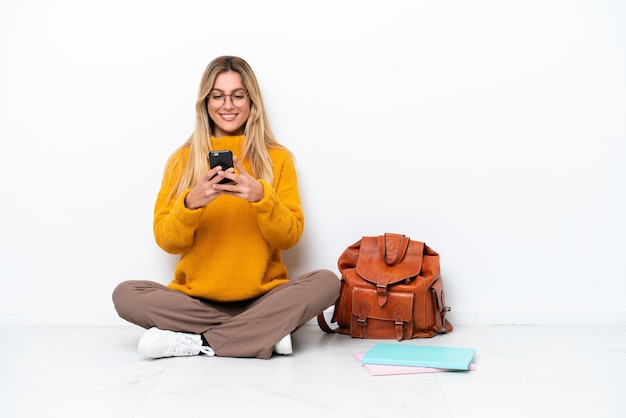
[(223, 158)]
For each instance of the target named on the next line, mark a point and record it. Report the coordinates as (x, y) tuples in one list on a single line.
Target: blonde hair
[(258, 136)]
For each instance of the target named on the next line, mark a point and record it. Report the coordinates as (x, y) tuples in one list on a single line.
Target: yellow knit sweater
[(231, 249)]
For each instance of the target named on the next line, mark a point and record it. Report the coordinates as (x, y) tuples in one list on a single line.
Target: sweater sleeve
[(279, 213), (174, 225)]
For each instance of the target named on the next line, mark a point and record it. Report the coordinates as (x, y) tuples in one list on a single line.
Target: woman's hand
[(204, 192), (244, 185)]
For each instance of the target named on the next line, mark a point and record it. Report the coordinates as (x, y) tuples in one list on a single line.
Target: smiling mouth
[(228, 117)]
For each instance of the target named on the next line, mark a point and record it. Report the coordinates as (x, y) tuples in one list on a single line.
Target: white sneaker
[(157, 343), (284, 346)]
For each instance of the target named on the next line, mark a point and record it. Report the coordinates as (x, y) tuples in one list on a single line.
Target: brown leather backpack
[(391, 288)]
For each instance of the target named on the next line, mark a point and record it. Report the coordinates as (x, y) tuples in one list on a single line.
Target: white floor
[(521, 371)]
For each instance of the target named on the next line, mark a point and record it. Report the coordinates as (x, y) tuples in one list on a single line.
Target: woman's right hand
[(203, 192)]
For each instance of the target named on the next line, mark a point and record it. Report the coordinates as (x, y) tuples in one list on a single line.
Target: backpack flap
[(389, 259)]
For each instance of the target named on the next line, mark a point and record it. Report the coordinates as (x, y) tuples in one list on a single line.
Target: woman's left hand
[(244, 185)]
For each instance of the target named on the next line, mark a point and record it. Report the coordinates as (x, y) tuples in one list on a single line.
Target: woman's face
[(228, 104)]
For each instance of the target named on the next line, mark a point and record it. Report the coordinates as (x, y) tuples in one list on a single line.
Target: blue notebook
[(455, 358)]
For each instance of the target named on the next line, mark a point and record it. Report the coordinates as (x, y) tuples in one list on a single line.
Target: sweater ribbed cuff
[(269, 198), (182, 213)]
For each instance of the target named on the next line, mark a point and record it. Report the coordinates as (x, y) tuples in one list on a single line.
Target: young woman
[(230, 295)]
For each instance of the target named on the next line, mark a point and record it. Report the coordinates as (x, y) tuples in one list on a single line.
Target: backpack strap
[(321, 321), (399, 312), (386, 244)]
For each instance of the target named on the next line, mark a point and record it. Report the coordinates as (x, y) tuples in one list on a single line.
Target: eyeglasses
[(238, 98)]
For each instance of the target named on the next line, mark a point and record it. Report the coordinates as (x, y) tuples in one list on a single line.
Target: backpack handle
[(386, 250)]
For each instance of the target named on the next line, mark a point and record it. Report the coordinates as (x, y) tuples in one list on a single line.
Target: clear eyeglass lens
[(238, 98)]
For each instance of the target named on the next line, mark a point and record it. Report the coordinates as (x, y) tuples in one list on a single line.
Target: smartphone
[(223, 158)]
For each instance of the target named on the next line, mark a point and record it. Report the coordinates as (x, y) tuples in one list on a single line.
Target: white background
[(493, 131)]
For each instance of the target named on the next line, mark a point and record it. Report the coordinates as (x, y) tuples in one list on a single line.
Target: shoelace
[(190, 343)]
